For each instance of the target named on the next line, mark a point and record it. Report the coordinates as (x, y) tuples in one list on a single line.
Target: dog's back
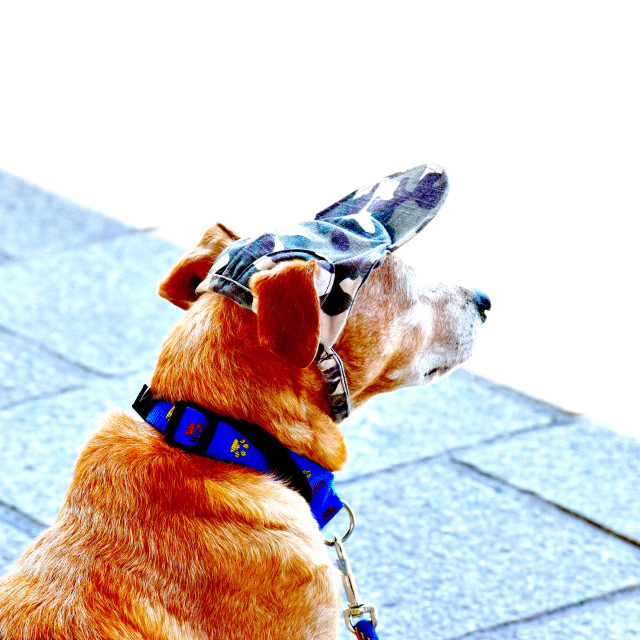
[(154, 543)]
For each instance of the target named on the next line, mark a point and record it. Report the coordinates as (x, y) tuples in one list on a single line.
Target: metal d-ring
[(352, 524)]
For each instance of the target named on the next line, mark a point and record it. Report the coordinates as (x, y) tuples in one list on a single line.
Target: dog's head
[(400, 332), (296, 328), (302, 285)]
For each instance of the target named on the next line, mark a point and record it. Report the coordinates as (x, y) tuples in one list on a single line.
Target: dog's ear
[(288, 310), (180, 285)]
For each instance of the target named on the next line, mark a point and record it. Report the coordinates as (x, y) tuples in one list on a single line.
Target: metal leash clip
[(356, 608)]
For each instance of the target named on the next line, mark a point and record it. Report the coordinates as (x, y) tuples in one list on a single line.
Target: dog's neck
[(200, 432), (213, 358)]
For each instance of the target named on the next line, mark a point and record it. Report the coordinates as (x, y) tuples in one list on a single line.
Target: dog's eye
[(430, 373)]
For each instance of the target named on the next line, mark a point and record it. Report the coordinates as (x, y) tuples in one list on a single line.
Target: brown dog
[(153, 542)]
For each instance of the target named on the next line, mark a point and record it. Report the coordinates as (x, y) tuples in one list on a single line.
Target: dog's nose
[(482, 302)]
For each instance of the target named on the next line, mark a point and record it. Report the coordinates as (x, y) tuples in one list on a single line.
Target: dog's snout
[(482, 302)]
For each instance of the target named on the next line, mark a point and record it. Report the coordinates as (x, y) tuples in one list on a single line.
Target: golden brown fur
[(152, 542)]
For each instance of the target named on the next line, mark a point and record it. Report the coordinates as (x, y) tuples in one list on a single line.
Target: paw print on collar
[(238, 447)]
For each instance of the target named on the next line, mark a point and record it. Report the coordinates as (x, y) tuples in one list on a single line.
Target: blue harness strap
[(200, 431)]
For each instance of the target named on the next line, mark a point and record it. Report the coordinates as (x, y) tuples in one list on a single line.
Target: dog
[(155, 542)]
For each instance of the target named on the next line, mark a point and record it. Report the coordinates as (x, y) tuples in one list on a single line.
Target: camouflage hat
[(348, 240)]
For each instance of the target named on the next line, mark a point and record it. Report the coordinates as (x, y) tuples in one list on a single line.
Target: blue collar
[(200, 431)]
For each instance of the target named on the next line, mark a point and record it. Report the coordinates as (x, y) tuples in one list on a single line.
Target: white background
[(182, 114)]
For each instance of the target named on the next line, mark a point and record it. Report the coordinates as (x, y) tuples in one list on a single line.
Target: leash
[(364, 629)]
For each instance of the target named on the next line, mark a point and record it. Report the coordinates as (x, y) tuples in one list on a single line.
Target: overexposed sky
[(181, 114)]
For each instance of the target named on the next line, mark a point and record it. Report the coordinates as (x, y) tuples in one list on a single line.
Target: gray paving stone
[(419, 422), (27, 525), (40, 442), (613, 618), (586, 468), (97, 305), (28, 371), (12, 544), (33, 221), (443, 551)]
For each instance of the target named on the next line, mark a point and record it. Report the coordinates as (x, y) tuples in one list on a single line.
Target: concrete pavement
[(482, 513)]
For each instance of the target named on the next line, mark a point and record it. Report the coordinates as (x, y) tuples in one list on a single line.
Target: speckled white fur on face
[(416, 321), (455, 322), (403, 333), (439, 328)]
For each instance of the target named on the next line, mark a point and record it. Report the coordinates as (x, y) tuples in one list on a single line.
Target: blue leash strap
[(365, 630)]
